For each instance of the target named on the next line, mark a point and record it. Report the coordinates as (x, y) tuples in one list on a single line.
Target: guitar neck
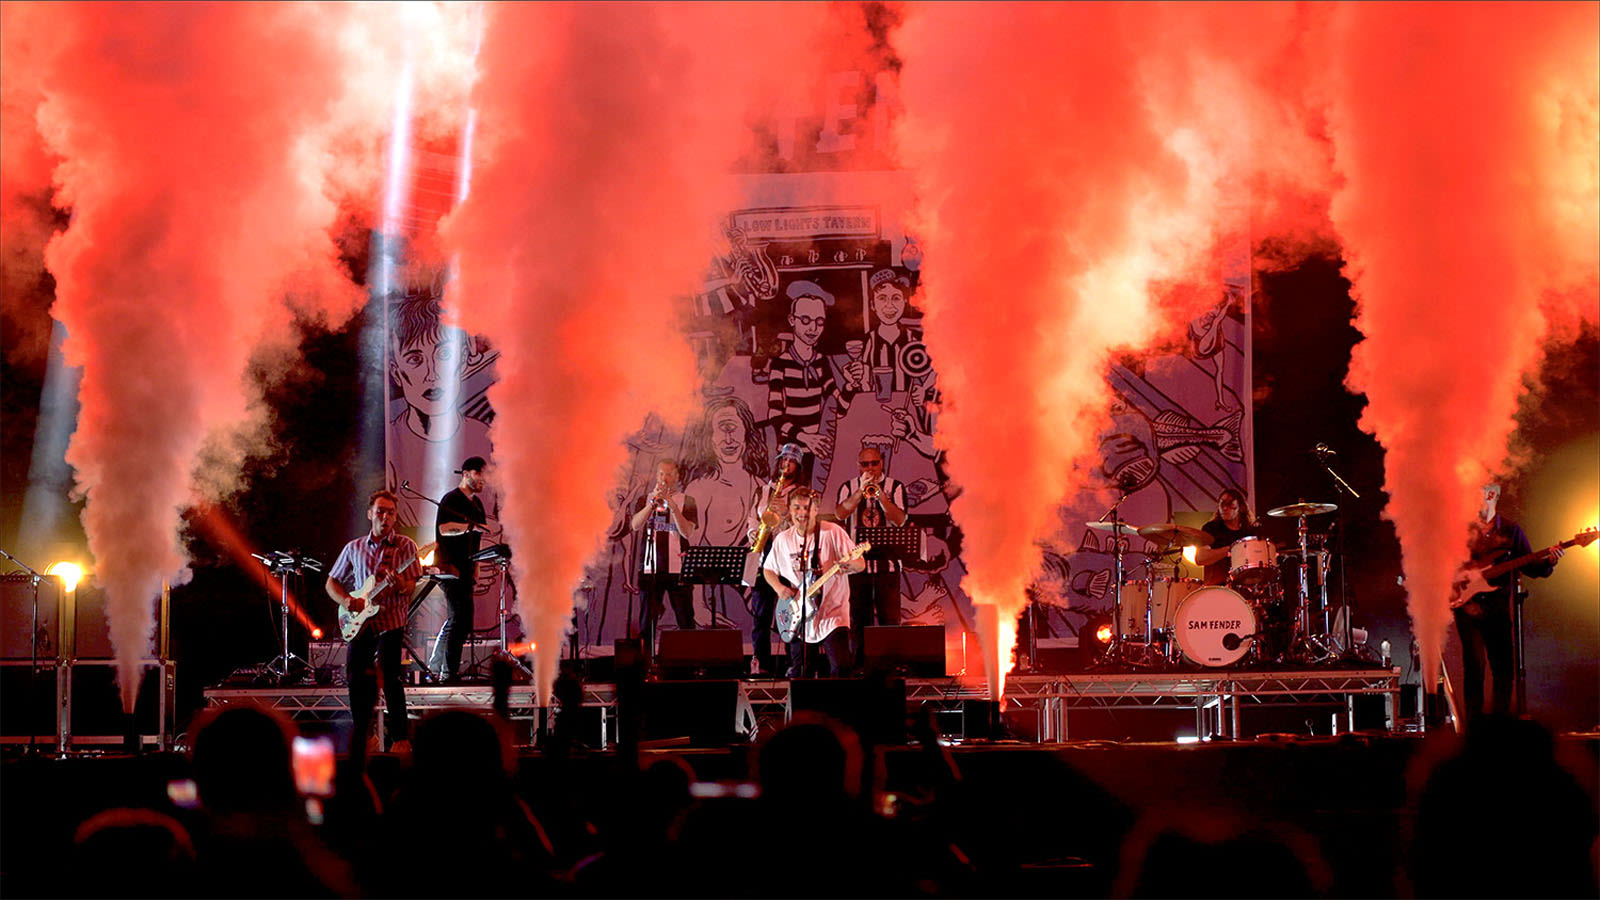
[(1498, 569)]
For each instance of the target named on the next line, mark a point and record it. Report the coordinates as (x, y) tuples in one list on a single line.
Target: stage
[(1042, 707)]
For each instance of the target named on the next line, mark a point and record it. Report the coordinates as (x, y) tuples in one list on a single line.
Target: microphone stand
[(1340, 485), (33, 651), (807, 573), (413, 493), (1115, 650)]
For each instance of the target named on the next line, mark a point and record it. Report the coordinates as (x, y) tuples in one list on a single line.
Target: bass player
[(1484, 622)]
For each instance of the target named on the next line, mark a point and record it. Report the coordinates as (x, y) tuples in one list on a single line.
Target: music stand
[(711, 564), (898, 542)]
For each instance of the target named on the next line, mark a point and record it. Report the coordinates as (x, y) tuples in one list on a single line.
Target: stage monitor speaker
[(874, 707), (701, 653), (92, 629), (912, 649), (705, 712), (16, 616)]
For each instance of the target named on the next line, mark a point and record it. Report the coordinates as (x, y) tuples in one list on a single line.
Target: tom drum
[(1252, 561)]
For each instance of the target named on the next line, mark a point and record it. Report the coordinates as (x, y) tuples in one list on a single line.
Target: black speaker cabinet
[(700, 653), (705, 712), (874, 707), (910, 649)]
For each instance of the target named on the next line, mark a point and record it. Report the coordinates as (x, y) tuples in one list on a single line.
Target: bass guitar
[(1471, 581), (350, 622), (787, 615)]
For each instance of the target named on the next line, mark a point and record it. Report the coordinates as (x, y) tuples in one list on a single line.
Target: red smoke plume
[(1467, 140), (25, 214), (194, 144), (605, 138), (1073, 162)]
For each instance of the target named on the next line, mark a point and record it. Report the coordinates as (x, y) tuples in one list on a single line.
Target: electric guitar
[(350, 622), (1471, 581), (787, 615)]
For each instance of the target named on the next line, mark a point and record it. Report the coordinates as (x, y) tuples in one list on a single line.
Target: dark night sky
[(1303, 338)]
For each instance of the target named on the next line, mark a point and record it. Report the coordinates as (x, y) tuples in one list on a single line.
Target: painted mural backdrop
[(816, 285)]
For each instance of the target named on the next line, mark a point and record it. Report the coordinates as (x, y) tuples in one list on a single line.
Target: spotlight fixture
[(71, 573)]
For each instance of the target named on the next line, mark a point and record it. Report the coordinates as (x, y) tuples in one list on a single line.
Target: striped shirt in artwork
[(799, 390)]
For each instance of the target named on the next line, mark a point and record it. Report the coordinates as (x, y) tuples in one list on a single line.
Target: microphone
[(1324, 450)]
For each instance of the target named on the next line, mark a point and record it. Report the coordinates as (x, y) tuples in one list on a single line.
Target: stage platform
[(1217, 699)]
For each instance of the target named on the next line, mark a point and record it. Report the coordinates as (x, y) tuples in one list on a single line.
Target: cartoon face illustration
[(727, 435), (428, 371), (807, 315), (888, 303)]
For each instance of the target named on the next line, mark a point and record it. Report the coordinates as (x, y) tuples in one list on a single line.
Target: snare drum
[(1204, 622), (1252, 560)]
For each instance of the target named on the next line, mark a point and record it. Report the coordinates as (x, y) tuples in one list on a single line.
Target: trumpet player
[(871, 500), (771, 510), (666, 517)]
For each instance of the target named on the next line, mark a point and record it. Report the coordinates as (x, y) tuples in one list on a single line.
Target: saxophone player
[(768, 516)]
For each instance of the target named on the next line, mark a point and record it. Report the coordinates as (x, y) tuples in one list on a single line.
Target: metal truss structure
[(1215, 696)]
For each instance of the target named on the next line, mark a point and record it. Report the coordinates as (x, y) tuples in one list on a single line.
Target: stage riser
[(1153, 707)]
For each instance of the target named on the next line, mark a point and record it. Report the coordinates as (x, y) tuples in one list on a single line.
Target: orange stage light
[(1103, 634)]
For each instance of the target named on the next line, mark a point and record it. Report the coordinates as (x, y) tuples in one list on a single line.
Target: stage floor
[(1218, 700)]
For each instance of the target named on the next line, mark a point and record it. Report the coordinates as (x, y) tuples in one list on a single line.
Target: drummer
[(1233, 521)]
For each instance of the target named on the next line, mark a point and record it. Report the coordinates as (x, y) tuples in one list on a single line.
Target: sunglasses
[(872, 462)]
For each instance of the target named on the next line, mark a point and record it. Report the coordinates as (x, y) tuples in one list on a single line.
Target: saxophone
[(769, 517)]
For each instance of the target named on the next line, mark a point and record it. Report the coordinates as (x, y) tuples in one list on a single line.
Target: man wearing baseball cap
[(460, 524)]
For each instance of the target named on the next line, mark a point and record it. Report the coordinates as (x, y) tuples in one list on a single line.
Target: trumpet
[(871, 490)]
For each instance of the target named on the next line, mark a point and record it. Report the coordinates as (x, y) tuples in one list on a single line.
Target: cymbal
[(1122, 528), (1295, 510), (1173, 533)]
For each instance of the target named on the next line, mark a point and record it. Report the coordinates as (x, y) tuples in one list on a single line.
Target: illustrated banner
[(815, 290)]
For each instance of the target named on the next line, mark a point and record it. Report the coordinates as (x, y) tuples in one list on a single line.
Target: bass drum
[(1211, 619)]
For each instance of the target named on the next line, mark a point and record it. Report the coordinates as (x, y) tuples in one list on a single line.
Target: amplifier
[(16, 616), (327, 654)]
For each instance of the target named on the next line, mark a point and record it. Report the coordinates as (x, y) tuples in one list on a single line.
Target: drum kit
[(1264, 614)]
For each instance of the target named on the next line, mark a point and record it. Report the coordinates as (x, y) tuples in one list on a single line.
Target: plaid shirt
[(364, 556)]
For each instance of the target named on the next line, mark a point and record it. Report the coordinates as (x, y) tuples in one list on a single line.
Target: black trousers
[(874, 600), (653, 591), (370, 653), (829, 657), (1486, 639), (457, 627), (763, 606)]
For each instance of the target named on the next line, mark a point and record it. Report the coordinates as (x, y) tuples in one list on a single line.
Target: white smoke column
[(605, 136), (1466, 137), (1054, 206), (196, 141)]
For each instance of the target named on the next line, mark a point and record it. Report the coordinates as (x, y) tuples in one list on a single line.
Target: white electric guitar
[(787, 615), (350, 622)]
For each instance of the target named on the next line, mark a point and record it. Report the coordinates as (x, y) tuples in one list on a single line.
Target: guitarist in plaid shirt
[(377, 553)]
